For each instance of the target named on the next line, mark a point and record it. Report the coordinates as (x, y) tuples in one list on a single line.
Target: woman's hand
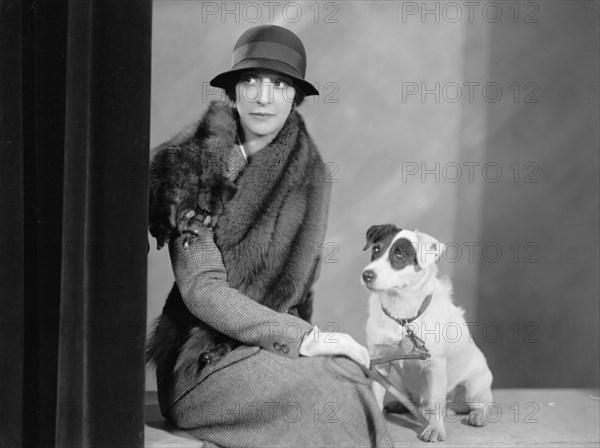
[(319, 343)]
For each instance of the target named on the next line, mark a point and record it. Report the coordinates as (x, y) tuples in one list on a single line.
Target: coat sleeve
[(202, 280)]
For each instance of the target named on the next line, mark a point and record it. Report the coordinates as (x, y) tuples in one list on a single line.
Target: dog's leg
[(459, 399), (478, 393), (405, 405), (378, 389), (379, 392), (437, 381)]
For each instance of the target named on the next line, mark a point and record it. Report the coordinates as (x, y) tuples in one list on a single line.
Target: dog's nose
[(368, 276)]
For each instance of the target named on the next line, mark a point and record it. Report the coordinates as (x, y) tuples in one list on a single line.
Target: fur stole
[(269, 227)]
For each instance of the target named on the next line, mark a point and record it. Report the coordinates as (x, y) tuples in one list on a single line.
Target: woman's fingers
[(355, 351), (362, 355), (318, 343), (365, 359)]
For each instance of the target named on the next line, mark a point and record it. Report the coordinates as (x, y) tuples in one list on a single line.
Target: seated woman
[(242, 200)]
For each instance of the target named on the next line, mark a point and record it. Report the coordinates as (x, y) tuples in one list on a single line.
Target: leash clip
[(418, 343)]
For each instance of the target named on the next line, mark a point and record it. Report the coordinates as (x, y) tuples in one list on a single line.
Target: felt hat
[(269, 47)]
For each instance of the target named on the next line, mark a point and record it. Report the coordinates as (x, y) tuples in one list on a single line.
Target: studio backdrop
[(475, 122)]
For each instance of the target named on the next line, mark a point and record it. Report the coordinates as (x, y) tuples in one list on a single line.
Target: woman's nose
[(265, 95)]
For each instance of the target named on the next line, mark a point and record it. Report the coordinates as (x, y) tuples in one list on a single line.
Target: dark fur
[(280, 199), (184, 176), (381, 232)]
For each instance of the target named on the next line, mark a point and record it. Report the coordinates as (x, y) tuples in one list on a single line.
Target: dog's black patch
[(402, 254), (380, 236)]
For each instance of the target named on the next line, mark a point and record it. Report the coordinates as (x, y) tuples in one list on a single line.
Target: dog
[(409, 304)]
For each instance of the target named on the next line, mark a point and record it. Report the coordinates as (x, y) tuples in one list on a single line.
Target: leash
[(389, 387)]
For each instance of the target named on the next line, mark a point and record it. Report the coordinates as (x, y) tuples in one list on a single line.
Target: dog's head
[(399, 258)]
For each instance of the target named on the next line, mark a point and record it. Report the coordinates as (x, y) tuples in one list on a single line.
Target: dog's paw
[(433, 433), (475, 418), (395, 407)]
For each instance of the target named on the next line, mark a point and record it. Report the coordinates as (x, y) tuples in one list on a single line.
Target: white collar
[(238, 142), (243, 151)]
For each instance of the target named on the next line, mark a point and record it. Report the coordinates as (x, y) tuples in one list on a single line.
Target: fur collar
[(270, 229)]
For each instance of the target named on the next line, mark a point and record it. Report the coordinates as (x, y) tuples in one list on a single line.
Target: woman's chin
[(263, 131)]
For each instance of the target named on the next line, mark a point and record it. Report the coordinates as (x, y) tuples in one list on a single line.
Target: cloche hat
[(268, 47)]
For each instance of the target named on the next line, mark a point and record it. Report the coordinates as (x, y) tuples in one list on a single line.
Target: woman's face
[(264, 100)]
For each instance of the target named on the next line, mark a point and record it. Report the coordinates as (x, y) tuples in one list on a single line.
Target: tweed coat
[(263, 393), (270, 228)]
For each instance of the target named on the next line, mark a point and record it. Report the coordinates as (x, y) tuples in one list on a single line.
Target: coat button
[(285, 349), (276, 346)]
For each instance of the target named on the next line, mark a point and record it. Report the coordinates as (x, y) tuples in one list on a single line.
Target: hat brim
[(229, 78)]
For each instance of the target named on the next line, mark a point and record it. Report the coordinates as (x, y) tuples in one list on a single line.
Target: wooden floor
[(518, 418)]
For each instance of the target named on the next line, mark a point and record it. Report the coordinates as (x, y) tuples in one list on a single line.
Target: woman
[(242, 199)]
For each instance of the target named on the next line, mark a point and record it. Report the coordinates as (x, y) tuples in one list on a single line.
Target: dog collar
[(419, 350), (403, 322)]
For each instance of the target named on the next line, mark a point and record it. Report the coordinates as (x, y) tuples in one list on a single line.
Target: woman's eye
[(280, 85), (251, 80)]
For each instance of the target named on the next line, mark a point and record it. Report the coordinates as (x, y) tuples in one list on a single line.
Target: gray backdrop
[(476, 122)]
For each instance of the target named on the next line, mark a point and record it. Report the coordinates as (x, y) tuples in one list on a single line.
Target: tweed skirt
[(269, 400)]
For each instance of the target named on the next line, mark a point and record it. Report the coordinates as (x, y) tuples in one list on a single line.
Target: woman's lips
[(262, 115)]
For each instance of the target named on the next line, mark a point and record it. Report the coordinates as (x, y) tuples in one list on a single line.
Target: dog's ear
[(375, 233), (428, 249)]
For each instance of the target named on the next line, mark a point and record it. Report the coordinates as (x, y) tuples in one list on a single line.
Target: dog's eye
[(400, 256), (376, 250)]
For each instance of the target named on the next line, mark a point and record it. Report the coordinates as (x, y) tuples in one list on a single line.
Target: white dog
[(408, 299)]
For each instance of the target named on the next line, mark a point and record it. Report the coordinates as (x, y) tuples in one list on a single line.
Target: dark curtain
[(74, 120)]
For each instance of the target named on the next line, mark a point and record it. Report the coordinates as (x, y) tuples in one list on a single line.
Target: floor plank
[(517, 418), (520, 418), (159, 433)]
